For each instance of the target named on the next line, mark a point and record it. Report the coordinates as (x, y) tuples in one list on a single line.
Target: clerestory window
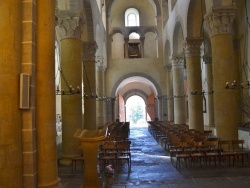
[(132, 17)]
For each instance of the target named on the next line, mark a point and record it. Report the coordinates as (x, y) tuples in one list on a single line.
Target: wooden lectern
[(90, 140)]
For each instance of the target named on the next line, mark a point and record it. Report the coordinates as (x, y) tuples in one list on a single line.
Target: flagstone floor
[(152, 168)]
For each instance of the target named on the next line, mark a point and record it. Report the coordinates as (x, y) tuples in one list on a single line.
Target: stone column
[(142, 39), (220, 21), (71, 67), (47, 175), (193, 67), (11, 169), (236, 65), (156, 106), (110, 109), (104, 101), (163, 104), (99, 102), (88, 58), (117, 110), (28, 115), (126, 39), (170, 101), (178, 89), (209, 98)]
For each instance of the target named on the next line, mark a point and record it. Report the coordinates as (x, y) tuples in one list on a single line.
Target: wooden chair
[(239, 150), (212, 152), (182, 156), (77, 158), (123, 153), (107, 154), (199, 153), (225, 151), (177, 148)]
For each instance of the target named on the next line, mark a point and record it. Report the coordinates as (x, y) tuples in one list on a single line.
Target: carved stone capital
[(69, 25), (192, 47), (88, 51), (177, 61), (220, 20)]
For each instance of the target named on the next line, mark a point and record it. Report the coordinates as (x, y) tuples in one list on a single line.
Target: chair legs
[(74, 163)]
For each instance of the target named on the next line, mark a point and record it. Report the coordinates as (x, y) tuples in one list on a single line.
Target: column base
[(66, 161), (55, 184)]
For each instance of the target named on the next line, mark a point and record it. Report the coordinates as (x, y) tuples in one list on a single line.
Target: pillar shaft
[(88, 57), (236, 65), (10, 114), (178, 90), (117, 109), (45, 95), (105, 101), (126, 47), (209, 98), (163, 105), (99, 103), (71, 67), (156, 108), (110, 106), (193, 67), (226, 112), (28, 66), (142, 46), (170, 94)]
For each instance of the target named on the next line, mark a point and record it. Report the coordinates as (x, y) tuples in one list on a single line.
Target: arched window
[(132, 17)]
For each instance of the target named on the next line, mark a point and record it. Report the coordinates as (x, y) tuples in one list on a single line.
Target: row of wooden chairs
[(212, 150), (115, 153), (118, 131), (168, 134), (190, 146)]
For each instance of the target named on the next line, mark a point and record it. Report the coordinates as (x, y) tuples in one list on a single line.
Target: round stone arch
[(150, 29), (132, 74), (196, 10), (89, 21), (136, 30), (117, 30), (176, 38), (133, 92), (167, 53)]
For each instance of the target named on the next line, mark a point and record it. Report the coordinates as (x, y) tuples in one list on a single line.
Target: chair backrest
[(224, 145), (109, 147), (212, 145), (123, 146), (237, 145)]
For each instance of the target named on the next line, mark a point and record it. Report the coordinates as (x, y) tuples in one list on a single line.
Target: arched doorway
[(136, 85), (136, 111)]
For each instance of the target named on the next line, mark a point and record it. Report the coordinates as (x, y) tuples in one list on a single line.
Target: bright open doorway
[(136, 111)]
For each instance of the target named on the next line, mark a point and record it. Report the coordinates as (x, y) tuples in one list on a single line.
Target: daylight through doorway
[(136, 111)]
